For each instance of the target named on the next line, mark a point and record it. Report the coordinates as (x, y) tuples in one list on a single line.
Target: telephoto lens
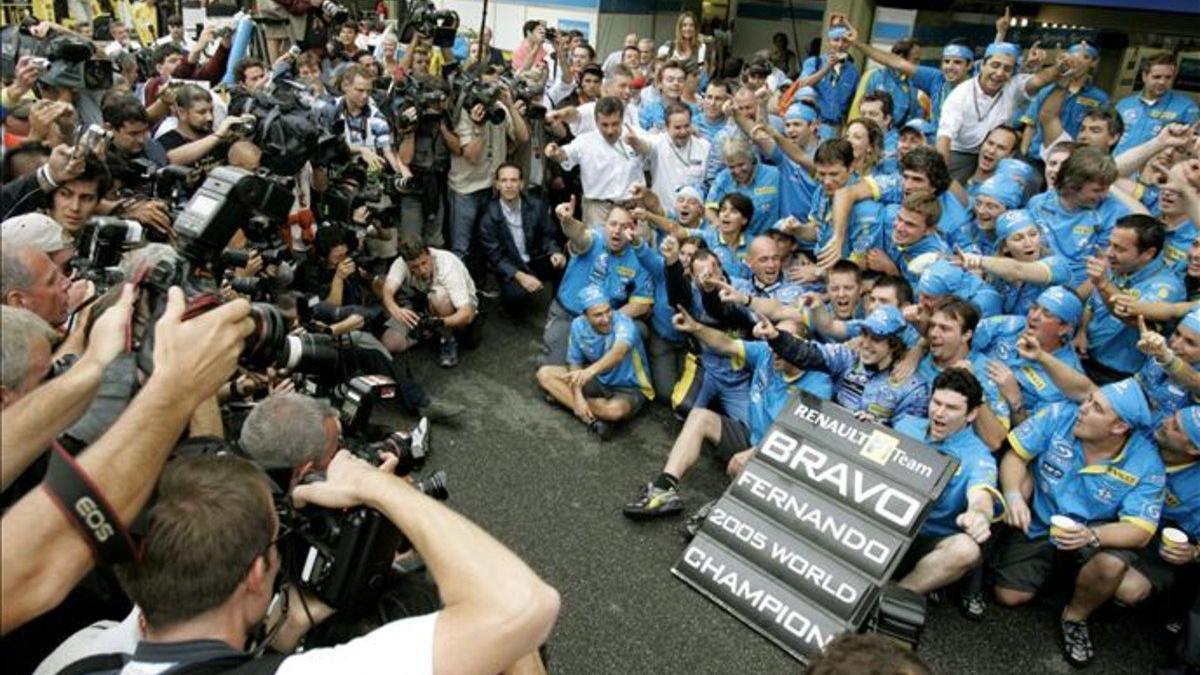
[(269, 335), (434, 485)]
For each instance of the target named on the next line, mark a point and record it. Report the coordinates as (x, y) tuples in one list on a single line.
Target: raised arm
[(579, 238), (711, 337), (1049, 115), (843, 201), (1073, 383)]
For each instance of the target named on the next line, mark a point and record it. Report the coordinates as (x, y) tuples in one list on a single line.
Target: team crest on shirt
[(1130, 115), (1153, 511), (1051, 471), (1004, 349), (1164, 292), (1062, 448), (1104, 494)]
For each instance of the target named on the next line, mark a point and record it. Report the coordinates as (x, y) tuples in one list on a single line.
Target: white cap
[(34, 230)]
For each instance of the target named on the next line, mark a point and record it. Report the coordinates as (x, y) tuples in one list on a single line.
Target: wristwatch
[(1095, 542)]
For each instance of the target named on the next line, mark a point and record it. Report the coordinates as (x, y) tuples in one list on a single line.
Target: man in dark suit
[(518, 240)]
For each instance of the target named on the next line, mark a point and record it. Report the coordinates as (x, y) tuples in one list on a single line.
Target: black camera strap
[(84, 505)]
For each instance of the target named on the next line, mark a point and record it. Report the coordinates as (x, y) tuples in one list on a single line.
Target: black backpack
[(239, 664)]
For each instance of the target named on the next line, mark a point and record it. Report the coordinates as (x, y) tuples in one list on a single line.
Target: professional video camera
[(334, 13), (287, 127), (477, 92), (425, 95), (72, 64), (428, 20)]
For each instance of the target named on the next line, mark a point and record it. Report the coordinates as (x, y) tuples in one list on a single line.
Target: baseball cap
[(941, 278), (1062, 303), (918, 125), (1129, 402), (34, 230), (806, 94), (1003, 189), (802, 112), (884, 321), (592, 295), (1012, 222), (1191, 320), (1190, 421)]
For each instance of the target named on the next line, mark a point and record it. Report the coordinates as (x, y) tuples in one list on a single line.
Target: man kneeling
[(605, 380)]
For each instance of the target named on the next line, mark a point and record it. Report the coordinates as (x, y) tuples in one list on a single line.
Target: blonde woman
[(866, 137), (688, 44)]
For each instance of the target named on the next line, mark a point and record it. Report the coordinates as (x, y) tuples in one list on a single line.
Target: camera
[(334, 12), (288, 128), (428, 20), (101, 244), (477, 92), (221, 206)]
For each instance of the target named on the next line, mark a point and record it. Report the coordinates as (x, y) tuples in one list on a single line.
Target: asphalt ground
[(530, 474)]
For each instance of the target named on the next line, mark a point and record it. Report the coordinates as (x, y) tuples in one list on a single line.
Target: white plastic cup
[(1060, 525), (1172, 537)]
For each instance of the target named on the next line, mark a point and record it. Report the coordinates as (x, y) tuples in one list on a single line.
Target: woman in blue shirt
[(1023, 266)]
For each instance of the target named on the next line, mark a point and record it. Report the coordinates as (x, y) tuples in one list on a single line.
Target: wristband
[(83, 504), (48, 183), (1013, 496)]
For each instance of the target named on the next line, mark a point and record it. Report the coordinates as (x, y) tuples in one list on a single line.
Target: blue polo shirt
[(835, 91), (903, 255), (662, 314), (1074, 107), (770, 390), (716, 162), (653, 115), (933, 82), (1128, 487), (976, 469), (620, 274), (889, 163), (1111, 341), (763, 191), (1020, 296), (1175, 249), (862, 232), (1075, 233), (928, 370), (708, 130), (586, 346), (1144, 120), (954, 225), (905, 104), (797, 188), (732, 257), (996, 338), (1181, 503), (1165, 394)]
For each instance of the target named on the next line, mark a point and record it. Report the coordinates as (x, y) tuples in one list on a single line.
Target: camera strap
[(84, 505)]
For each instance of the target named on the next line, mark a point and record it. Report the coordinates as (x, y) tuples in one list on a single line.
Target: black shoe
[(440, 411), (603, 430), (972, 606), (692, 525), (448, 357), (654, 502), (1077, 643)]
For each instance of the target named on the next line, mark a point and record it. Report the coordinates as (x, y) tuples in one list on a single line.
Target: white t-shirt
[(672, 167), (606, 170), (102, 637), (968, 114), (587, 118), (449, 275)]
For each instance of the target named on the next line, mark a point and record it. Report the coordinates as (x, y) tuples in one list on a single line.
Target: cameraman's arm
[(471, 139), (517, 129), (461, 318), (494, 603), (43, 555), (191, 153)]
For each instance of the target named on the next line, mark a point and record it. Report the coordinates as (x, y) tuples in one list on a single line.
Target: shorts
[(282, 24), (631, 395), (1024, 564), (922, 545), (1161, 574), (735, 438)]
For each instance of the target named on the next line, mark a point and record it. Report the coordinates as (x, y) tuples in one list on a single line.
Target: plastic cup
[(1060, 525), (1172, 537)]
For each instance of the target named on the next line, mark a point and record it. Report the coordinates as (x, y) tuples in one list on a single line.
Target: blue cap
[(941, 278), (1129, 402), (690, 192), (1062, 303), (1019, 171), (1085, 49), (919, 125), (1003, 49), (1003, 189), (1189, 419), (802, 112), (838, 32), (1191, 321), (885, 321), (806, 94), (592, 295), (1012, 222), (958, 52)]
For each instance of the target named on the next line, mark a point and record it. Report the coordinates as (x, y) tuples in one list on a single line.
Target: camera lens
[(270, 330), (434, 486), (310, 354)]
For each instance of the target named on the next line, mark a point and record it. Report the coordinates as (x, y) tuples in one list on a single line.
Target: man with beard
[(193, 142), (772, 383)]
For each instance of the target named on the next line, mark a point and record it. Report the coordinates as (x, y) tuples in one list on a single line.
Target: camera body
[(102, 243), (425, 18), (477, 92)]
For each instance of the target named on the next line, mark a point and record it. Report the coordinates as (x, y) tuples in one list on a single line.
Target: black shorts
[(632, 395), (1161, 574), (1024, 564), (922, 546), (735, 437)]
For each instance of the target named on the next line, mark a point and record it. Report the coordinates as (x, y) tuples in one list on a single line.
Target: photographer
[(25, 345), (193, 142), (126, 118), (422, 209), (29, 279), (44, 554), (329, 273), (367, 131), (443, 297)]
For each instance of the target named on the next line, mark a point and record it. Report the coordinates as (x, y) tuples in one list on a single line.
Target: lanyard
[(975, 99), (687, 154)]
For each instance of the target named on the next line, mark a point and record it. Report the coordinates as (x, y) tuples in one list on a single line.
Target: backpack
[(239, 664)]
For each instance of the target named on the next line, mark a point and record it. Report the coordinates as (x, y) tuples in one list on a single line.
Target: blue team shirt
[(904, 255), (954, 224), (716, 162), (834, 91), (1128, 487), (1143, 120), (733, 258), (862, 231), (1165, 395), (934, 83), (860, 387), (1074, 234), (797, 188), (928, 370), (586, 346), (1175, 249), (620, 275), (1181, 503), (708, 130), (763, 191), (1111, 341), (662, 314), (1074, 107), (654, 114), (770, 390), (905, 104), (783, 291), (996, 338), (976, 469), (1020, 296)]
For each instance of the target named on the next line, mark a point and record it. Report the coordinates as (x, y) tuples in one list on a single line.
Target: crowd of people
[(993, 256)]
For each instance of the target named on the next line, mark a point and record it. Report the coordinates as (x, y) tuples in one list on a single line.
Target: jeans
[(556, 335), (465, 211)]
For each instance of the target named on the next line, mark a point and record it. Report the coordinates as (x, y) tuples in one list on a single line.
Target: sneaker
[(1077, 643), (602, 429), (440, 411), (654, 502), (692, 525), (449, 352), (972, 606)]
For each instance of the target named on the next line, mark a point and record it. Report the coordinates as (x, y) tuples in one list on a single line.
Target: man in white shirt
[(984, 102), (582, 119), (439, 295), (677, 158), (608, 166)]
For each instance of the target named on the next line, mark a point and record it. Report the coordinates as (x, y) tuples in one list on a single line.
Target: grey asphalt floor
[(532, 476)]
